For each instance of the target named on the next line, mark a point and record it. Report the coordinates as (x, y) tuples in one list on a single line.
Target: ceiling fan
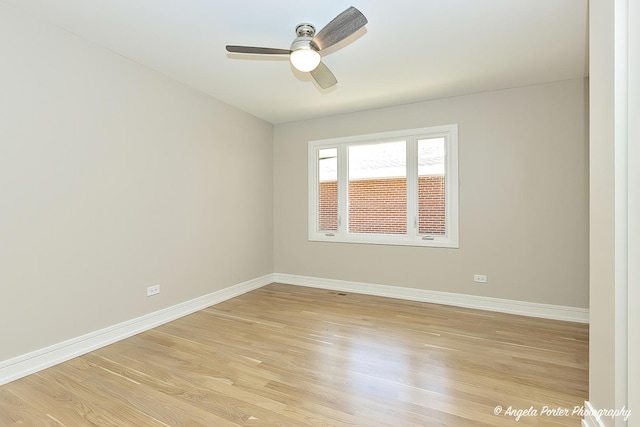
[(305, 51)]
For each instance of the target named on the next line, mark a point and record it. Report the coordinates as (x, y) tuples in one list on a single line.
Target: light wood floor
[(293, 356)]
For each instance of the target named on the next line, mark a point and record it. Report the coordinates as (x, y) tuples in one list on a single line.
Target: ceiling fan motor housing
[(301, 43), (305, 32)]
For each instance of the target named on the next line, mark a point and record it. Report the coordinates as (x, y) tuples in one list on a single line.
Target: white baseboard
[(547, 311), (591, 419), (26, 364)]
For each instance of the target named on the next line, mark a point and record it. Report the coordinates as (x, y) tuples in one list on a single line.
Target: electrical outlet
[(480, 278), (153, 290)]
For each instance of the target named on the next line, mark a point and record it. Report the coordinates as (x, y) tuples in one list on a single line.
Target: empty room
[(365, 213)]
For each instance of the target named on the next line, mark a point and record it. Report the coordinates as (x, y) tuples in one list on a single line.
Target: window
[(396, 188)]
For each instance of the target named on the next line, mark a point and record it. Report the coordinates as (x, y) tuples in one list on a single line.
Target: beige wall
[(114, 178), (523, 162)]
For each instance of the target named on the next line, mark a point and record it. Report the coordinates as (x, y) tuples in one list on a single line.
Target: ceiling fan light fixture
[(304, 54), (305, 60)]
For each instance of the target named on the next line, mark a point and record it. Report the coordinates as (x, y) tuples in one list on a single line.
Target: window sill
[(400, 240)]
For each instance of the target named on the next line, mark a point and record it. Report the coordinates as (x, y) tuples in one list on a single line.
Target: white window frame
[(412, 238)]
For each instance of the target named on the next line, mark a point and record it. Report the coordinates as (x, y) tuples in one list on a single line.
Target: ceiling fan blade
[(341, 27), (257, 50), (323, 75)]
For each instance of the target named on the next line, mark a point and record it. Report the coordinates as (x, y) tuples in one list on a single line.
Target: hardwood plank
[(293, 356), (15, 411), (51, 398)]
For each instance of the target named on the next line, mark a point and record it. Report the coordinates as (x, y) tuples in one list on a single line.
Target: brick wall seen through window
[(386, 197)]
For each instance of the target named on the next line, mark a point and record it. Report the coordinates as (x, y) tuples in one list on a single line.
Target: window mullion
[(343, 189), (412, 187)]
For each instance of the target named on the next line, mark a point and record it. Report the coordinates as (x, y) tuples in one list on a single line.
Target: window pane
[(328, 189), (378, 188), (431, 186)]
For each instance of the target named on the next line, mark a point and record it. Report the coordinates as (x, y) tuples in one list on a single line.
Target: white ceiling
[(411, 50)]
